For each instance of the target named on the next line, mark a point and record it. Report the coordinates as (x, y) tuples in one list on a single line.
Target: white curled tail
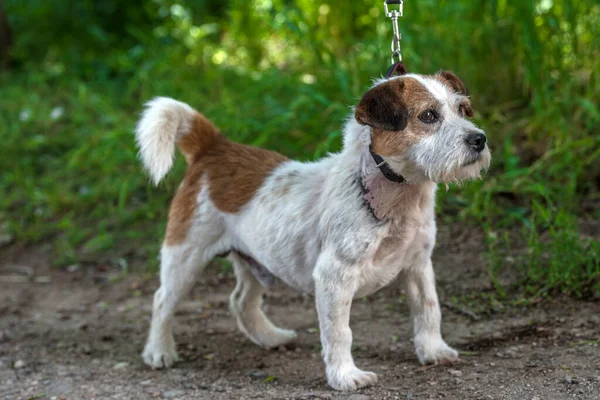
[(166, 122)]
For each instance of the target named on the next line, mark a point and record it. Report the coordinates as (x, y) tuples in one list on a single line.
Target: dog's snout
[(476, 141)]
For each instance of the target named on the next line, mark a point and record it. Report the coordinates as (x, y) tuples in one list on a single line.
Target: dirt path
[(79, 337)]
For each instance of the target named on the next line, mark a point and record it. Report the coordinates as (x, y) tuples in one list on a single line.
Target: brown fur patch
[(407, 94), (234, 173), (201, 136), (183, 206), (452, 81)]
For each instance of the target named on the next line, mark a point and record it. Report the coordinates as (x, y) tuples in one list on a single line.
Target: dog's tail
[(166, 122)]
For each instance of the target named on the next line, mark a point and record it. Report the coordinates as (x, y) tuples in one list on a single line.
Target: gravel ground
[(77, 334)]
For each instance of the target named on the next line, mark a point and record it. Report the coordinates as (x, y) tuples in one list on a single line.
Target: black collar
[(384, 168)]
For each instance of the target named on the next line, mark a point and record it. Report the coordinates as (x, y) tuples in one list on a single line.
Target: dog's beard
[(449, 162)]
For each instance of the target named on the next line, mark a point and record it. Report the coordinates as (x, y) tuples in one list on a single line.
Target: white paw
[(350, 378), (265, 334), (157, 356), (277, 337), (437, 352), (273, 338)]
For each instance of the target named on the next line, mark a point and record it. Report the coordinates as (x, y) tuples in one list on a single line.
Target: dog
[(339, 228)]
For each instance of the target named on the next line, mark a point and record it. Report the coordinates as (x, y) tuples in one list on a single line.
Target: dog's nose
[(476, 141)]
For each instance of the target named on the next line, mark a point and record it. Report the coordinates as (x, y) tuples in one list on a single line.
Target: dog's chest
[(400, 248)]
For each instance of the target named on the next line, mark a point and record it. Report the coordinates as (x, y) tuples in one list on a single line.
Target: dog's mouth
[(474, 160)]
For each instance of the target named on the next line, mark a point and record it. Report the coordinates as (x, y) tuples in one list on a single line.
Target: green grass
[(283, 76)]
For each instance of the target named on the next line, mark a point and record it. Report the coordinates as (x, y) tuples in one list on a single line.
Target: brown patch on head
[(234, 173), (452, 81), (392, 109)]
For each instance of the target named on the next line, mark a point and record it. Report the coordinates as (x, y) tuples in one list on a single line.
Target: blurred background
[(74, 75)]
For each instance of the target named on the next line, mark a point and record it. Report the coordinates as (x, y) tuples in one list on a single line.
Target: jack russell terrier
[(339, 228)]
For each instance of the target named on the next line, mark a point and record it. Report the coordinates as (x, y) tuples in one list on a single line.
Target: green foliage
[(282, 74)]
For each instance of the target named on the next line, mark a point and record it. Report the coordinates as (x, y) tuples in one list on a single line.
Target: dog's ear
[(450, 79), (382, 107)]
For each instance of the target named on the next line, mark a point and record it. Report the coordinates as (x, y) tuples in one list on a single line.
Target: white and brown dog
[(339, 228)]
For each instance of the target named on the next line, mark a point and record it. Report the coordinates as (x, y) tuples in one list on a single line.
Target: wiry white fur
[(163, 122), (309, 224)]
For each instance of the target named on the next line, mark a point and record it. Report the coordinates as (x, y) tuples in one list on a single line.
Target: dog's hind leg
[(245, 304), (180, 265)]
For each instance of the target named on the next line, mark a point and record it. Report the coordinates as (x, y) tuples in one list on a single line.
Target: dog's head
[(420, 126)]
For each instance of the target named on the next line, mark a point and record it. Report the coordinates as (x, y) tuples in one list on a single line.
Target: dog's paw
[(351, 378), (276, 337), (265, 334), (437, 353), (159, 357)]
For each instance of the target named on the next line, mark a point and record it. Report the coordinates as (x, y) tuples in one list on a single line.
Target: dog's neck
[(389, 200)]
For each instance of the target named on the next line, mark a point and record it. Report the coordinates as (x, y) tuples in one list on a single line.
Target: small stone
[(121, 365), (5, 239), (311, 330), (85, 348), (73, 268), (19, 364), (359, 397), (455, 372), (257, 374), (171, 394)]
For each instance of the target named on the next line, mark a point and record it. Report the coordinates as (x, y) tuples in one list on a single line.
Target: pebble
[(19, 364), (455, 372), (170, 394), (73, 268), (121, 365), (257, 374), (359, 397)]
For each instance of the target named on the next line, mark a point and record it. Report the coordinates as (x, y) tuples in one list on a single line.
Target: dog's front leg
[(425, 308), (335, 287)]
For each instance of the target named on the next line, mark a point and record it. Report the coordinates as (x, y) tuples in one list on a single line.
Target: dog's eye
[(429, 116)]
